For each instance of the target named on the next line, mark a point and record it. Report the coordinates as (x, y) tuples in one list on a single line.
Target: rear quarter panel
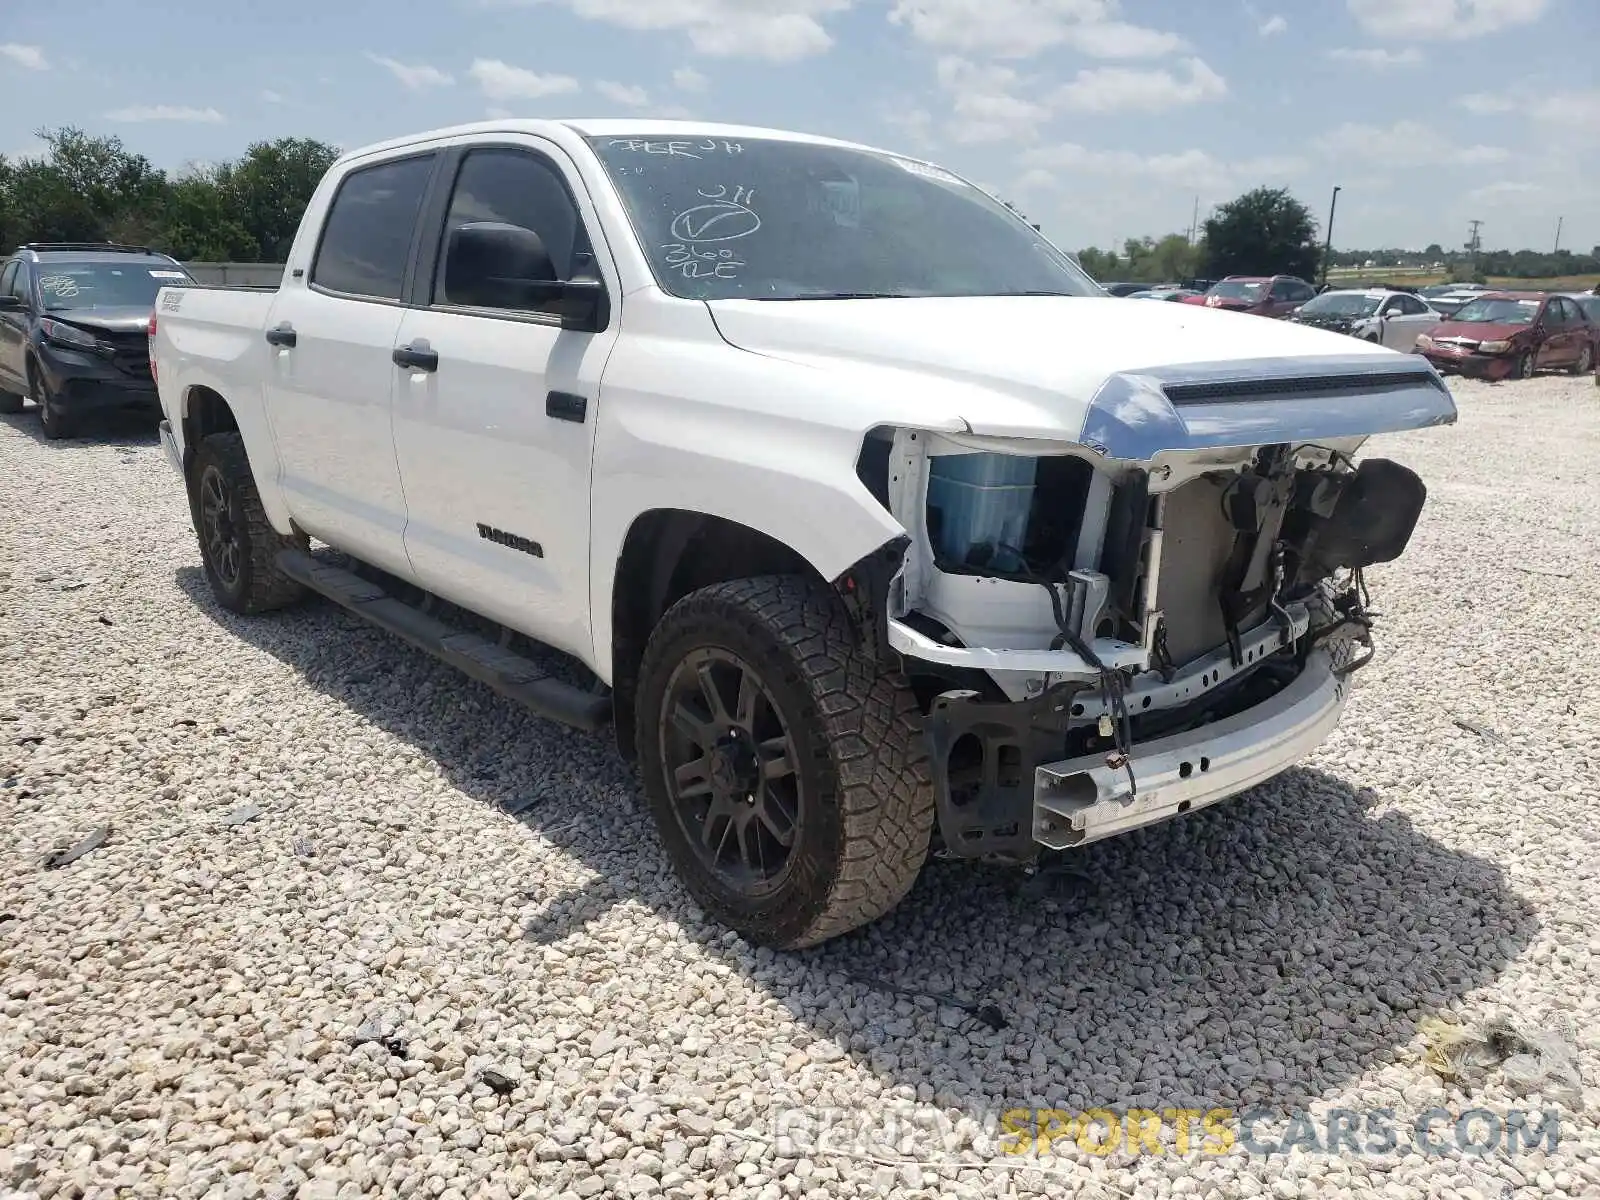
[(212, 339)]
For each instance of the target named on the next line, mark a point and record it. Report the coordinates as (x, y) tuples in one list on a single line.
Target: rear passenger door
[(495, 434), (330, 376)]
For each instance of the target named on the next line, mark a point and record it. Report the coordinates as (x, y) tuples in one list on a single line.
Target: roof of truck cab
[(610, 127)]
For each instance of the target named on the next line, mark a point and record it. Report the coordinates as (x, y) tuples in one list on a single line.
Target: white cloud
[(1376, 57), (1443, 19), (271, 97), (984, 104), (627, 95), (31, 57), (502, 81), (776, 30), (166, 112), (1023, 28), (1404, 144), (1191, 168), (415, 76), (1127, 89), (1118, 39), (687, 79), (495, 113), (1501, 191), (1273, 26), (1487, 103)]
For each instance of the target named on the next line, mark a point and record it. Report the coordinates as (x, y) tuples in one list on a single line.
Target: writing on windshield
[(773, 219), (68, 285)]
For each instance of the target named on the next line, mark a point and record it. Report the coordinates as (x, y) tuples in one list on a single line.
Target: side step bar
[(513, 676)]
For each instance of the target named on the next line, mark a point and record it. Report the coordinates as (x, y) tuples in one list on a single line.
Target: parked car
[(73, 318), (878, 528), (1510, 335), (1446, 298), (1263, 295), (1124, 289), (1390, 318), (1175, 294)]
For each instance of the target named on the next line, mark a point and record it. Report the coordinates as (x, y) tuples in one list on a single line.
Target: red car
[(1510, 335), (1263, 295)]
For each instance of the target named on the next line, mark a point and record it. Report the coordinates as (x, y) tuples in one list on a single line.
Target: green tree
[(1263, 232), (268, 190)]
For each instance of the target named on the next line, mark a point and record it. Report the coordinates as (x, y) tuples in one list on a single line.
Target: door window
[(510, 187), (366, 241), (1555, 313), (8, 278), (1281, 290)]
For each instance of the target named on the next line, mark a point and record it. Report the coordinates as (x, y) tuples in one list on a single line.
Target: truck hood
[(106, 320), (1126, 379)]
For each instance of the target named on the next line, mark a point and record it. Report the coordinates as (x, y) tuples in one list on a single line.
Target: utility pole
[(1473, 244), (1194, 221), (1327, 246), (1557, 246)]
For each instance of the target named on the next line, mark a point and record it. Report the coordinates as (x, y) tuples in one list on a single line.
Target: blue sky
[(1101, 119)]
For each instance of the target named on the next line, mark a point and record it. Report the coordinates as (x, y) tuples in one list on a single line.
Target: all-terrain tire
[(866, 797), (255, 584)]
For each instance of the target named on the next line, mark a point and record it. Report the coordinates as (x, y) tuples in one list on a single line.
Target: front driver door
[(495, 439), (13, 331)]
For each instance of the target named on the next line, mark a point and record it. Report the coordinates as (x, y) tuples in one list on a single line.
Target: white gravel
[(458, 887)]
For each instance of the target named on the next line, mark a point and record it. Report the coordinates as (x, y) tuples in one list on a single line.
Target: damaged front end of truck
[(1154, 616)]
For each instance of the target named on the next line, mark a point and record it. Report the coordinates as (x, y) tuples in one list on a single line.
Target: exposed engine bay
[(1065, 616)]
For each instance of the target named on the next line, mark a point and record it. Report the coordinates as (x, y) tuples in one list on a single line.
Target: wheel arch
[(668, 553)]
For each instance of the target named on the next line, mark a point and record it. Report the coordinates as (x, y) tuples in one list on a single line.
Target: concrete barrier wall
[(236, 274)]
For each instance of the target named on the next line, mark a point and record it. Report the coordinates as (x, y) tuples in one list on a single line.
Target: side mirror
[(585, 307), (9, 303)]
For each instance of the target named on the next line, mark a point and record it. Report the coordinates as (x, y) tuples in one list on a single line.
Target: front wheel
[(1524, 366), (55, 423), (237, 542), (786, 773)]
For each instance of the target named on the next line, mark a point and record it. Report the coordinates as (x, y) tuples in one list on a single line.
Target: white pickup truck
[(874, 525)]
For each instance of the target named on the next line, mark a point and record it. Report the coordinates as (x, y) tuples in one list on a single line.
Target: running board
[(513, 676)]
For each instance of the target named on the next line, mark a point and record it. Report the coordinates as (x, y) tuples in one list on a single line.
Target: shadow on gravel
[(1262, 952), (104, 429)]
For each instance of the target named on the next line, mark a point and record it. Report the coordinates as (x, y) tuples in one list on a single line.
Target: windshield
[(1236, 289), (1331, 304), (75, 285), (1498, 312), (769, 219)]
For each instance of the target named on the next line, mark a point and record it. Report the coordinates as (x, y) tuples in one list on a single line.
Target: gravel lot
[(447, 958)]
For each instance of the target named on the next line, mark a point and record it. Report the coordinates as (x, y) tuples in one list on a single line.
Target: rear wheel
[(237, 542), (1585, 362), (786, 774)]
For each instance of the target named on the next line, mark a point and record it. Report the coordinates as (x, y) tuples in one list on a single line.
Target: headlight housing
[(1424, 341), (1498, 347), (69, 336)]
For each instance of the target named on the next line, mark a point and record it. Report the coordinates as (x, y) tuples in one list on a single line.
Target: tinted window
[(1591, 308), (1301, 291), (367, 238), (19, 284), (8, 278), (69, 285), (510, 187), (772, 219)]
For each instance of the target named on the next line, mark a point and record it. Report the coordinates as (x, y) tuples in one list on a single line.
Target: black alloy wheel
[(731, 770)]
